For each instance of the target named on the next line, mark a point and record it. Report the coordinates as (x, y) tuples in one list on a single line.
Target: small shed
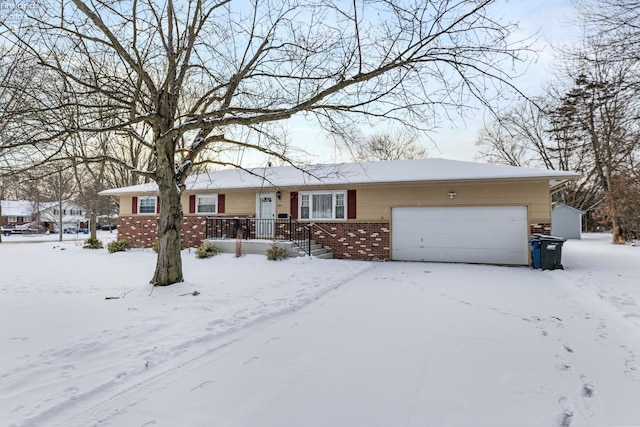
[(566, 221)]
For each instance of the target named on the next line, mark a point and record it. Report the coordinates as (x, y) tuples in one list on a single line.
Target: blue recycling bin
[(536, 254)]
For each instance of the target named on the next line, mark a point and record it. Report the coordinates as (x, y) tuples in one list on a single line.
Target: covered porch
[(258, 234)]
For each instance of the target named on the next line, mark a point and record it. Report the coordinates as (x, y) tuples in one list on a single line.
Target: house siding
[(375, 202)]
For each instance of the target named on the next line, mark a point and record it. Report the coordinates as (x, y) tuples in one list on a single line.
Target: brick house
[(428, 209)]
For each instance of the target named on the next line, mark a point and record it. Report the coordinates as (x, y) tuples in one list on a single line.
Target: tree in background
[(182, 79), (385, 146), (597, 116), (588, 120)]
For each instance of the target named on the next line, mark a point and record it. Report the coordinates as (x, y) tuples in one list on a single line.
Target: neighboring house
[(44, 214), (428, 209), (16, 212), (566, 220), (74, 217)]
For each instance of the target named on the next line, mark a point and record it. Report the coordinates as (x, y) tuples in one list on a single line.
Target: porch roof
[(396, 171)]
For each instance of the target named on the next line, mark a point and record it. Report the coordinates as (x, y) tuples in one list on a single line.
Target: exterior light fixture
[(278, 194), (452, 194)]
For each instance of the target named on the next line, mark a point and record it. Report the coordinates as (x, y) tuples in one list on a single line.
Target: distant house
[(428, 209), (566, 221), (16, 212), (43, 215)]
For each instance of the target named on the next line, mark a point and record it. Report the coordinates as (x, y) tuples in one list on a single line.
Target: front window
[(207, 203), (147, 205), (12, 219), (323, 205)]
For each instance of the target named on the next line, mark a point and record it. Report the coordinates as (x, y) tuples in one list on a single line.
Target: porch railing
[(284, 229)]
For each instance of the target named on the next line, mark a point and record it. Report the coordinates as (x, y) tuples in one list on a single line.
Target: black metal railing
[(284, 229)]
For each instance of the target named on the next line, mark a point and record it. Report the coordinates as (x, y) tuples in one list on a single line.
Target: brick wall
[(142, 231), (363, 241), (541, 228)]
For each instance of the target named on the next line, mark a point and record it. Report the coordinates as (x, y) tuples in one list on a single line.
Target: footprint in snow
[(202, 385), (588, 388), (250, 360), (561, 364), (564, 420)]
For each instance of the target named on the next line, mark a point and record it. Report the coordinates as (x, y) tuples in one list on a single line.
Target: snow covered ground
[(311, 342)]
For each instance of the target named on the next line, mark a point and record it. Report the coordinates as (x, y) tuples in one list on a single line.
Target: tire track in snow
[(122, 393)]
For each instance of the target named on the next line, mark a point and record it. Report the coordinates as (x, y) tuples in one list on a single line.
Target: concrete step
[(326, 255), (317, 250)]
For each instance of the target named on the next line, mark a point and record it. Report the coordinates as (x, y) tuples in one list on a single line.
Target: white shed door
[(482, 234)]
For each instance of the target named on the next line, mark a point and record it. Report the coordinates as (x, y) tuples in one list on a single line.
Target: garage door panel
[(493, 235)]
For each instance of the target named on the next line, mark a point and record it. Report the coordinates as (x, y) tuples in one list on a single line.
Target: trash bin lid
[(550, 238)]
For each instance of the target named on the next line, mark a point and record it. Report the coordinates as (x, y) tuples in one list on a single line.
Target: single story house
[(566, 221), (427, 209), (43, 215)]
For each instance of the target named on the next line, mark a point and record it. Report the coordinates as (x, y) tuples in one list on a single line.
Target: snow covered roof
[(394, 171), (560, 205), (24, 207)]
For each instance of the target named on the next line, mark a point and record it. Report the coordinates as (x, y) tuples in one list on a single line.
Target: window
[(12, 219), (323, 205), (147, 205), (206, 203)]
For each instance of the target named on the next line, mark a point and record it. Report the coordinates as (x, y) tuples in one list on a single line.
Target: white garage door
[(483, 234)]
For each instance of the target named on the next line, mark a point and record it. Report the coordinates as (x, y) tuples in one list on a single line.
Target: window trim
[(155, 205), (333, 193), (197, 207)]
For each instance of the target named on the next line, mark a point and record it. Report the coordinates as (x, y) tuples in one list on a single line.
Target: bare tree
[(587, 123), (386, 146), (598, 113), (180, 78), (613, 25), (525, 136)]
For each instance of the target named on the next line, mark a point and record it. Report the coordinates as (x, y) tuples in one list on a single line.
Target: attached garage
[(468, 234)]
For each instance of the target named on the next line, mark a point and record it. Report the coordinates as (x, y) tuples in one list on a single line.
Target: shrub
[(91, 243), (276, 253), (207, 250), (119, 245)]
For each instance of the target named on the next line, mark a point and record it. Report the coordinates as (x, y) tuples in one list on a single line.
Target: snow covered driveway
[(310, 342)]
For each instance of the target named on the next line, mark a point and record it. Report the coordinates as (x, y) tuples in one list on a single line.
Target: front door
[(265, 214)]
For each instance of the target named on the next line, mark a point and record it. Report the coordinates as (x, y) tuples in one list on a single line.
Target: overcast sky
[(549, 18)]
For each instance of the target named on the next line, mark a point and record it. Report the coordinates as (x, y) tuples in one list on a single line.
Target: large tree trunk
[(619, 236), (169, 263), (93, 227)]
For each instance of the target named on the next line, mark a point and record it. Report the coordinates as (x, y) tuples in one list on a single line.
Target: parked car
[(31, 227)]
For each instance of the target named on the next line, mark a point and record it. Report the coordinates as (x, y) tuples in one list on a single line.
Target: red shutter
[(134, 205), (294, 205), (220, 203), (351, 204), (158, 204), (192, 203)]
